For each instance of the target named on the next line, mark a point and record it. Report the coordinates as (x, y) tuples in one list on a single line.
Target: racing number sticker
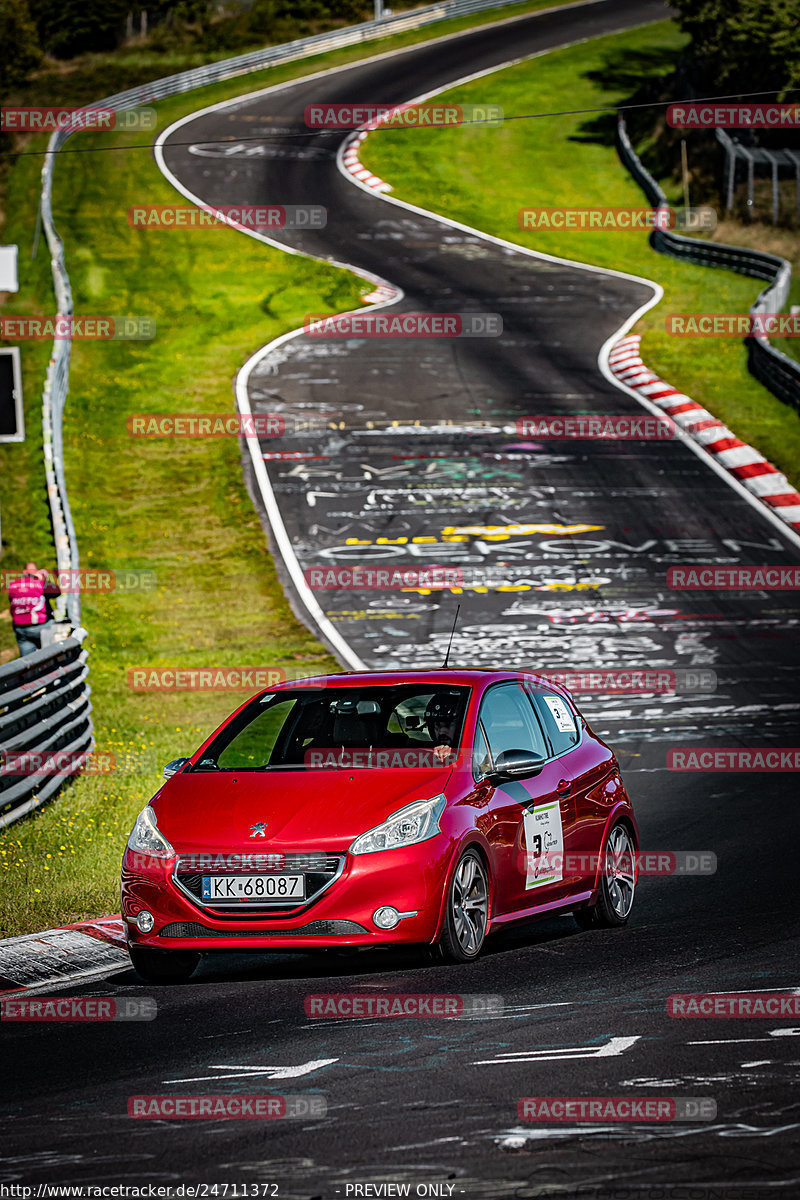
[(561, 714), (544, 845)]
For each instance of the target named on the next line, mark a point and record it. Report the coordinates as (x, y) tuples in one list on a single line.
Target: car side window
[(558, 719), (510, 722)]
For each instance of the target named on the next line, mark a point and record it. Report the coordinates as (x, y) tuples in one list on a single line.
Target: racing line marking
[(314, 1064), (613, 1047)]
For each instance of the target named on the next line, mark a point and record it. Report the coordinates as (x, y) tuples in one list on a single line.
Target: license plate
[(243, 888)]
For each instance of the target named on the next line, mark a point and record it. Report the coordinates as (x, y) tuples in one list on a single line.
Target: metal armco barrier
[(44, 709), (775, 370)]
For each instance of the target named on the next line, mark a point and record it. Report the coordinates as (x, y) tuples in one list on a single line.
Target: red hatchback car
[(377, 808)]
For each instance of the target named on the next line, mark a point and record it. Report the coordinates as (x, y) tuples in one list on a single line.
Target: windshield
[(411, 725)]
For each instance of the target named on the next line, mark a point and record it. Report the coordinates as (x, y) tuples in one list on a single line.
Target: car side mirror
[(515, 764), (173, 767)]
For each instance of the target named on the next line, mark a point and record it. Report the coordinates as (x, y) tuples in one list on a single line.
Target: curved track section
[(564, 546), (412, 1104)]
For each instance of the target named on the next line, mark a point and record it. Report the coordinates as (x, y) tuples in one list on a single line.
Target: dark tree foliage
[(20, 44), (70, 27), (742, 46), (67, 28), (266, 14)]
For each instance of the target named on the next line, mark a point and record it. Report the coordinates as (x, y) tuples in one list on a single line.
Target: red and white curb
[(353, 164), (384, 293), (355, 167), (742, 461), (56, 958)]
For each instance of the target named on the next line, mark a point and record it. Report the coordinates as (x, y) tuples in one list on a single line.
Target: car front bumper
[(411, 880)]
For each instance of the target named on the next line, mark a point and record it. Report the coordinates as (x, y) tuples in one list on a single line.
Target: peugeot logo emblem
[(259, 829)]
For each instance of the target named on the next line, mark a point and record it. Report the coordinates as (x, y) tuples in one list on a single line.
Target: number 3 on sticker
[(561, 714)]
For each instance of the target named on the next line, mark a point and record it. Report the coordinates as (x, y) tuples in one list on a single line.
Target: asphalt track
[(433, 1101)]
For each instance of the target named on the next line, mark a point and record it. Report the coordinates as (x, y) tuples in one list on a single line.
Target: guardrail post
[(779, 373)]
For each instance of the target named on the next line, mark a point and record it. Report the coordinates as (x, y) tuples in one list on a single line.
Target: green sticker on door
[(544, 845)]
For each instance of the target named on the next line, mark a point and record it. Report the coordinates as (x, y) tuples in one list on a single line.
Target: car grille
[(320, 870), (192, 929)]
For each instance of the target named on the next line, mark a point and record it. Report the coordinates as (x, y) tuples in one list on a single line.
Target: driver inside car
[(441, 718)]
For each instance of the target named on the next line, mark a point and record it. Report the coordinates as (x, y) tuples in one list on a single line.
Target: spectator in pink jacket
[(31, 614)]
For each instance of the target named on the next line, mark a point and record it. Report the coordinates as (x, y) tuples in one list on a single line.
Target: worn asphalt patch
[(61, 956)]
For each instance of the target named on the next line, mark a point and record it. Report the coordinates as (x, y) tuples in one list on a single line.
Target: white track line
[(694, 443), (282, 539), (746, 464)]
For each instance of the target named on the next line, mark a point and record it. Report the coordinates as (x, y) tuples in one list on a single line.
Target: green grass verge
[(484, 176), (179, 508)]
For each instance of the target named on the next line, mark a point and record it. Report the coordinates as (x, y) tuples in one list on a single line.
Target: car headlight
[(146, 839), (415, 823)]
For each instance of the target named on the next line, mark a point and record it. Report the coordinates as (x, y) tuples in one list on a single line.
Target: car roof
[(439, 676)]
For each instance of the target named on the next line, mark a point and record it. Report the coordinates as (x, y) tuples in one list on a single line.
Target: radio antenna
[(452, 631)]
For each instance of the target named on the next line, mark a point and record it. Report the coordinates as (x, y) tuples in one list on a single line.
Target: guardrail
[(44, 710), (775, 370)]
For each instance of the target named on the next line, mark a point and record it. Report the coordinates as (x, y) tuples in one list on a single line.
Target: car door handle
[(563, 787)]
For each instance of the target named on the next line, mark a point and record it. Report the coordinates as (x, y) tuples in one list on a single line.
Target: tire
[(163, 966), (467, 914), (617, 884)]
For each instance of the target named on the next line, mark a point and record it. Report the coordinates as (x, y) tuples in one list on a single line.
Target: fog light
[(145, 921), (386, 917)]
